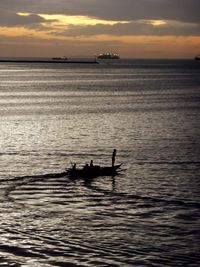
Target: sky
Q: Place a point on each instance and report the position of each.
(132, 28)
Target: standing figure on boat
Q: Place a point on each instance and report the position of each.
(91, 164)
(113, 157)
(74, 167)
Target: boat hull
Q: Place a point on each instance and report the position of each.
(94, 171)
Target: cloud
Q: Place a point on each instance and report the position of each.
(140, 27)
(179, 10)
(127, 46)
(182, 16)
(144, 17)
(10, 19)
(89, 25)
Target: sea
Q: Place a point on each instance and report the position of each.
(53, 115)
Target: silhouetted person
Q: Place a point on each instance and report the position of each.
(91, 164)
(113, 157)
(86, 167)
(74, 167)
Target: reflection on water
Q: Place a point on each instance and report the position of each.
(51, 116)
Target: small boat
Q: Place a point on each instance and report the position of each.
(109, 56)
(60, 58)
(197, 57)
(93, 171)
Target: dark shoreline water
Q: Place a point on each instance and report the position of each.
(55, 114)
(47, 61)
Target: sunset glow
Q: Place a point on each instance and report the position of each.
(129, 28)
(61, 20)
(57, 20)
(157, 22)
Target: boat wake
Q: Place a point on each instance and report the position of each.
(62, 179)
(76, 213)
(10, 185)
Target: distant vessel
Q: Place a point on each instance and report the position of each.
(109, 56)
(60, 58)
(197, 57)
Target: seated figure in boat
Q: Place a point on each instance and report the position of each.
(86, 167)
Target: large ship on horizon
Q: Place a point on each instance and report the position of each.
(108, 56)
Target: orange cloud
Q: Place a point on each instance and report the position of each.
(126, 45)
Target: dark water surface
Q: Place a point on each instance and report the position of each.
(52, 115)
